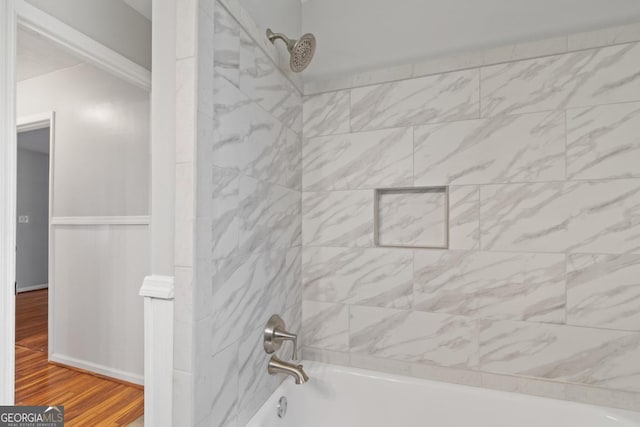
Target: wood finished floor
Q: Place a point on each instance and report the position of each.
(88, 400)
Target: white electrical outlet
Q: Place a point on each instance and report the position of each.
(23, 219)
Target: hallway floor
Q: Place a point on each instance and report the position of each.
(88, 400)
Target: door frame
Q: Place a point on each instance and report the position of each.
(26, 124)
(12, 14)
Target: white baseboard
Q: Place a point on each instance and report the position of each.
(98, 369)
(33, 288)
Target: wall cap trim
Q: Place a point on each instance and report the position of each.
(159, 287)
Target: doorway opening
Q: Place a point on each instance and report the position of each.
(81, 197)
(32, 235)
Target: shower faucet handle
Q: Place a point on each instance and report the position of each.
(275, 334)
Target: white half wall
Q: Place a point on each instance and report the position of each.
(99, 316)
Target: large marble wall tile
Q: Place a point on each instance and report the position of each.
(599, 217)
(603, 291)
(431, 99)
(464, 217)
(218, 224)
(596, 357)
(413, 336)
(363, 276)
(414, 219)
(251, 141)
(603, 142)
(269, 216)
(232, 107)
(216, 387)
(358, 160)
(578, 79)
(226, 51)
(339, 218)
(265, 84)
(494, 285)
(326, 114)
(325, 325)
(246, 290)
(273, 152)
(501, 149)
(254, 383)
(287, 285)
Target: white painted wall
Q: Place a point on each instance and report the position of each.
(101, 168)
(110, 22)
(358, 35)
(32, 238)
(282, 16)
(102, 140)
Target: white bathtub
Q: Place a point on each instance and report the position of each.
(347, 397)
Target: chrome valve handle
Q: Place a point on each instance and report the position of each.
(275, 334)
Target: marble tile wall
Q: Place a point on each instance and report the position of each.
(248, 217)
(539, 291)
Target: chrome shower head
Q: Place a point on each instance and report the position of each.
(300, 51)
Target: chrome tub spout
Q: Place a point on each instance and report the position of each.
(278, 366)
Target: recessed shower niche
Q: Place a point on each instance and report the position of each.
(415, 217)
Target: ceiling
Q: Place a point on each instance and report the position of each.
(143, 7)
(358, 35)
(37, 56)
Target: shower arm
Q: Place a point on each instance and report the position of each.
(274, 36)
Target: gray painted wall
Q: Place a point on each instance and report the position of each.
(33, 200)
